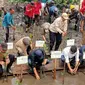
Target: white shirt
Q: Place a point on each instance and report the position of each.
(67, 54)
(58, 26)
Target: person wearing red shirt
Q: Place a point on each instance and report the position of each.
(29, 13)
(82, 10)
(37, 11)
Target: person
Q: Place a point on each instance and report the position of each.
(53, 11)
(45, 35)
(8, 22)
(45, 32)
(74, 15)
(36, 58)
(37, 12)
(29, 13)
(58, 29)
(82, 24)
(72, 58)
(4, 11)
(21, 45)
(6, 60)
(82, 29)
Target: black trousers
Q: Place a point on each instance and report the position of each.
(7, 34)
(55, 38)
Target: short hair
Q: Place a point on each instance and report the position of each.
(11, 9)
(26, 41)
(4, 46)
(73, 49)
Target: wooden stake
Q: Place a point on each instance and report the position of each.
(54, 73)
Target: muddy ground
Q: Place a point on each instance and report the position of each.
(78, 79)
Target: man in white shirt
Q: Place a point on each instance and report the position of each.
(58, 29)
(70, 55)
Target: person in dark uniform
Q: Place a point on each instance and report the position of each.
(36, 58)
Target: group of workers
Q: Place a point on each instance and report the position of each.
(52, 33)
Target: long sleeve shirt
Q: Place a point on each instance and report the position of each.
(8, 20)
(59, 26)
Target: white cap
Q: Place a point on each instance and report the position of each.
(65, 16)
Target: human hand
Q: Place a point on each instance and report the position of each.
(1, 62)
(81, 30)
(37, 77)
(14, 28)
(71, 71)
(75, 70)
(64, 34)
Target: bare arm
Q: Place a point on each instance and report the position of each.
(70, 69)
(82, 25)
(36, 73)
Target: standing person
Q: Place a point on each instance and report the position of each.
(53, 11)
(4, 11)
(58, 29)
(82, 29)
(22, 45)
(72, 57)
(82, 24)
(29, 14)
(74, 15)
(8, 22)
(37, 11)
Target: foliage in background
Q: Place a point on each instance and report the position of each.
(57, 1)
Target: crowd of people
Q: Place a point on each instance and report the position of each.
(52, 33)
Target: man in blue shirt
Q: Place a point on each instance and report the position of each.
(36, 59)
(53, 10)
(8, 22)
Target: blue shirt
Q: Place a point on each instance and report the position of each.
(53, 9)
(8, 20)
(36, 57)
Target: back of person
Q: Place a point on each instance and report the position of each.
(20, 45)
(52, 9)
(37, 56)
